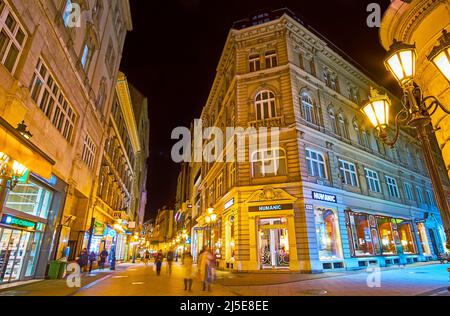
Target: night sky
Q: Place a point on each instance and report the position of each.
(172, 53)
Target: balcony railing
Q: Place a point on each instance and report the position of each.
(277, 121)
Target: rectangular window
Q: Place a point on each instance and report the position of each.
(88, 154)
(271, 59)
(392, 187)
(348, 173)
(254, 63)
(316, 164)
(12, 38)
(409, 192)
(419, 194)
(270, 162)
(50, 99)
(110, 58)
(373, 182)
(361, 235)
(86, 56)
(430, 198)
(219, 187)
(232, 174)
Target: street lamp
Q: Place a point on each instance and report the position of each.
(415, 113)
(210, 219)
(440, 55)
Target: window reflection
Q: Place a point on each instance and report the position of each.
(406, 236)
(328, 236)
(362, 241)
(386, 236)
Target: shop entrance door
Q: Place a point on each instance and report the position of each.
(433, 242)
(13, 253)
(273, 244)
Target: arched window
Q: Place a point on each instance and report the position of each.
(333, 120)
(328, 235)
(269, 162)
(308, 108)
(265, 105)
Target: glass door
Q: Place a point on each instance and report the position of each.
(5, 253)
(273, 243)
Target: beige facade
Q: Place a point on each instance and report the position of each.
(61, 82)
(421, 23)
(275, 72)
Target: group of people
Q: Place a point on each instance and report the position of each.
(86, 260)
(206, 267)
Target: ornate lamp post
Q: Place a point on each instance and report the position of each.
(10, 173)
(415, 113)
(210, 219)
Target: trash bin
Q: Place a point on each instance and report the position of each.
(62, 269)
(53, 271)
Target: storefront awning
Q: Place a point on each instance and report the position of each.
(24, 151)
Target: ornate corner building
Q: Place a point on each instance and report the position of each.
(338, 198)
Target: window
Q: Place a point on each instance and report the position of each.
(386, 236)
(301, 61)
(219, 187)
(392, 187)
(271, 162)
(373, 182)
(334, 83)
(328, 236)
(101, 98)
(419, 194)
(271, 59)
(86, 55)
(430, 198)
(12, 38)
(405, 233)
(232, 175)
(88, 154)
(97, 10)
(361, 234)
(316, 164)
(342, 131)
(409, 192)
(67, 12)
(30, 198)
(110, 58)
(354, 94)
(423, 239)
(308, 108)
(254, 63)
(50, 99)
(265, 105)
(348, 173)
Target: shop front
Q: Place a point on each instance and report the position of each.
(390, 239)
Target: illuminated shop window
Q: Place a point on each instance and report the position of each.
(386, 236)
(406, 236)
(328, 235)
(361, 234)
(424, 239)
(30, 198)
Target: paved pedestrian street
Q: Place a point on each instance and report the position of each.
(140, 280)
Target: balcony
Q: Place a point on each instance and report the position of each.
(277, 121)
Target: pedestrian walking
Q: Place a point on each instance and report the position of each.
(103, 256)
(187, 271)
(92, 259)
(146, 257)
(158, 262)
(170, 257)
(113, 260)
(83, 259)
(204, 270)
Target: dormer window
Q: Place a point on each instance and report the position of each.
(271, 59)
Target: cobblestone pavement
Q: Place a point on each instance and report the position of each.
(140, 280)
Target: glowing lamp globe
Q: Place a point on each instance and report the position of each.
(401, 61)
(440, 55)
(377, 109)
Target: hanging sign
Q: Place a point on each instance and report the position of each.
(99, 229)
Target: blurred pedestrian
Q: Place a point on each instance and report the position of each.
(170, 257)
(103, 256)
(158, 261)
(83, 259)
(187, 271)
(204, 268)
(146, 257)
(92, 259)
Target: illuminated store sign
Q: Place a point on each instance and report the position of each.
(274, 207)
(18, 222)
(324, 197)
(229, 204)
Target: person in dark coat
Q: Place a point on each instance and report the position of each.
(158, 262)
(103, 256)
(92, 259)
(83, 259)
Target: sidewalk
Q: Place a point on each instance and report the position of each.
(58, 287)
